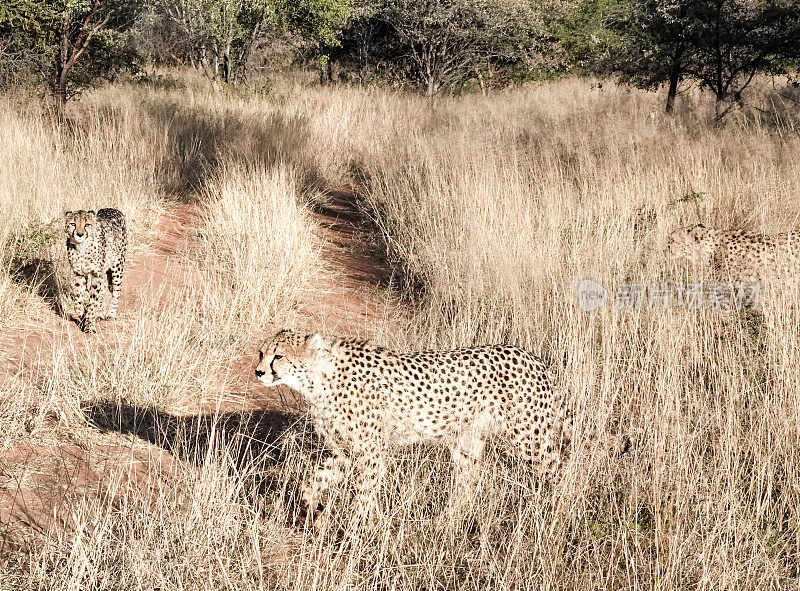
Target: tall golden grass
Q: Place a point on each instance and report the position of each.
(492, 209)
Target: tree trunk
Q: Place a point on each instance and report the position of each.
(431, 87)
(481, 81)
(60, 77)
(324, 65)
(226, 63)
(63, 76)
(62, 63)
(674, 76)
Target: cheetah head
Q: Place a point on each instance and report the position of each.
(695, 243)
(79, 225)
(291, 358)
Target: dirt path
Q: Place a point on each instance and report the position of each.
(359, 299)
(41, 482)
(355, 300)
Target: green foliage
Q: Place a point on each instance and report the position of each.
(720, 44)
(320, 21)
(30, 243)
(584, 34)
(692, 198)
(448, 44)
(28, 24)
(216, 35)
(70, 43)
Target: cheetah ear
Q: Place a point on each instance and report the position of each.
(698, 231)
(67, 213)
(316, 342)
(90, 212)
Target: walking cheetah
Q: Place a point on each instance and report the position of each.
(96, 244)
(737, 254)
(365, 398)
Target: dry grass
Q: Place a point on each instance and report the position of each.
(261, 244)
(492, 210)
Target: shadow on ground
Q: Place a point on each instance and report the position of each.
(198, 140)
(259, 444)
(189, 142)
(39, 276)
(360, 244)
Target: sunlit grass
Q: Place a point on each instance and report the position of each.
(491, 210)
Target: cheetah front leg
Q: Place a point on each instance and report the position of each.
(371, 469)
(90, 317)
(330, 474)
(80, 295)
(467, 453)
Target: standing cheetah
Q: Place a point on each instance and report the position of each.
(736, 254)
(96, 244)
(365, 398)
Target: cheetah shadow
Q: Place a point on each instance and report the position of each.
(39, 276)
(267, 449)
(272, 452)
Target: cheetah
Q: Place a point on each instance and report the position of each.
(364, 398)
(737, 254)
(96, 244)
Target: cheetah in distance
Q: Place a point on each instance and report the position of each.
(365, 398)
(737, 254)
(96, 244)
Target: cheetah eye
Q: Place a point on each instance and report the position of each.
(87, 225)
(276, 357)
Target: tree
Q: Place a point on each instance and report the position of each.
(22, 40)
(362, 45)
(655, 40)
(720, 44)
(318, 21)
(69, 34)
(215, 35)
(583, 35)
(444, 42)
(737, 39)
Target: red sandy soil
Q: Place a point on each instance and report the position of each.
(39, 484)
(359, 299)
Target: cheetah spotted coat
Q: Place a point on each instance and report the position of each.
(96, 245)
